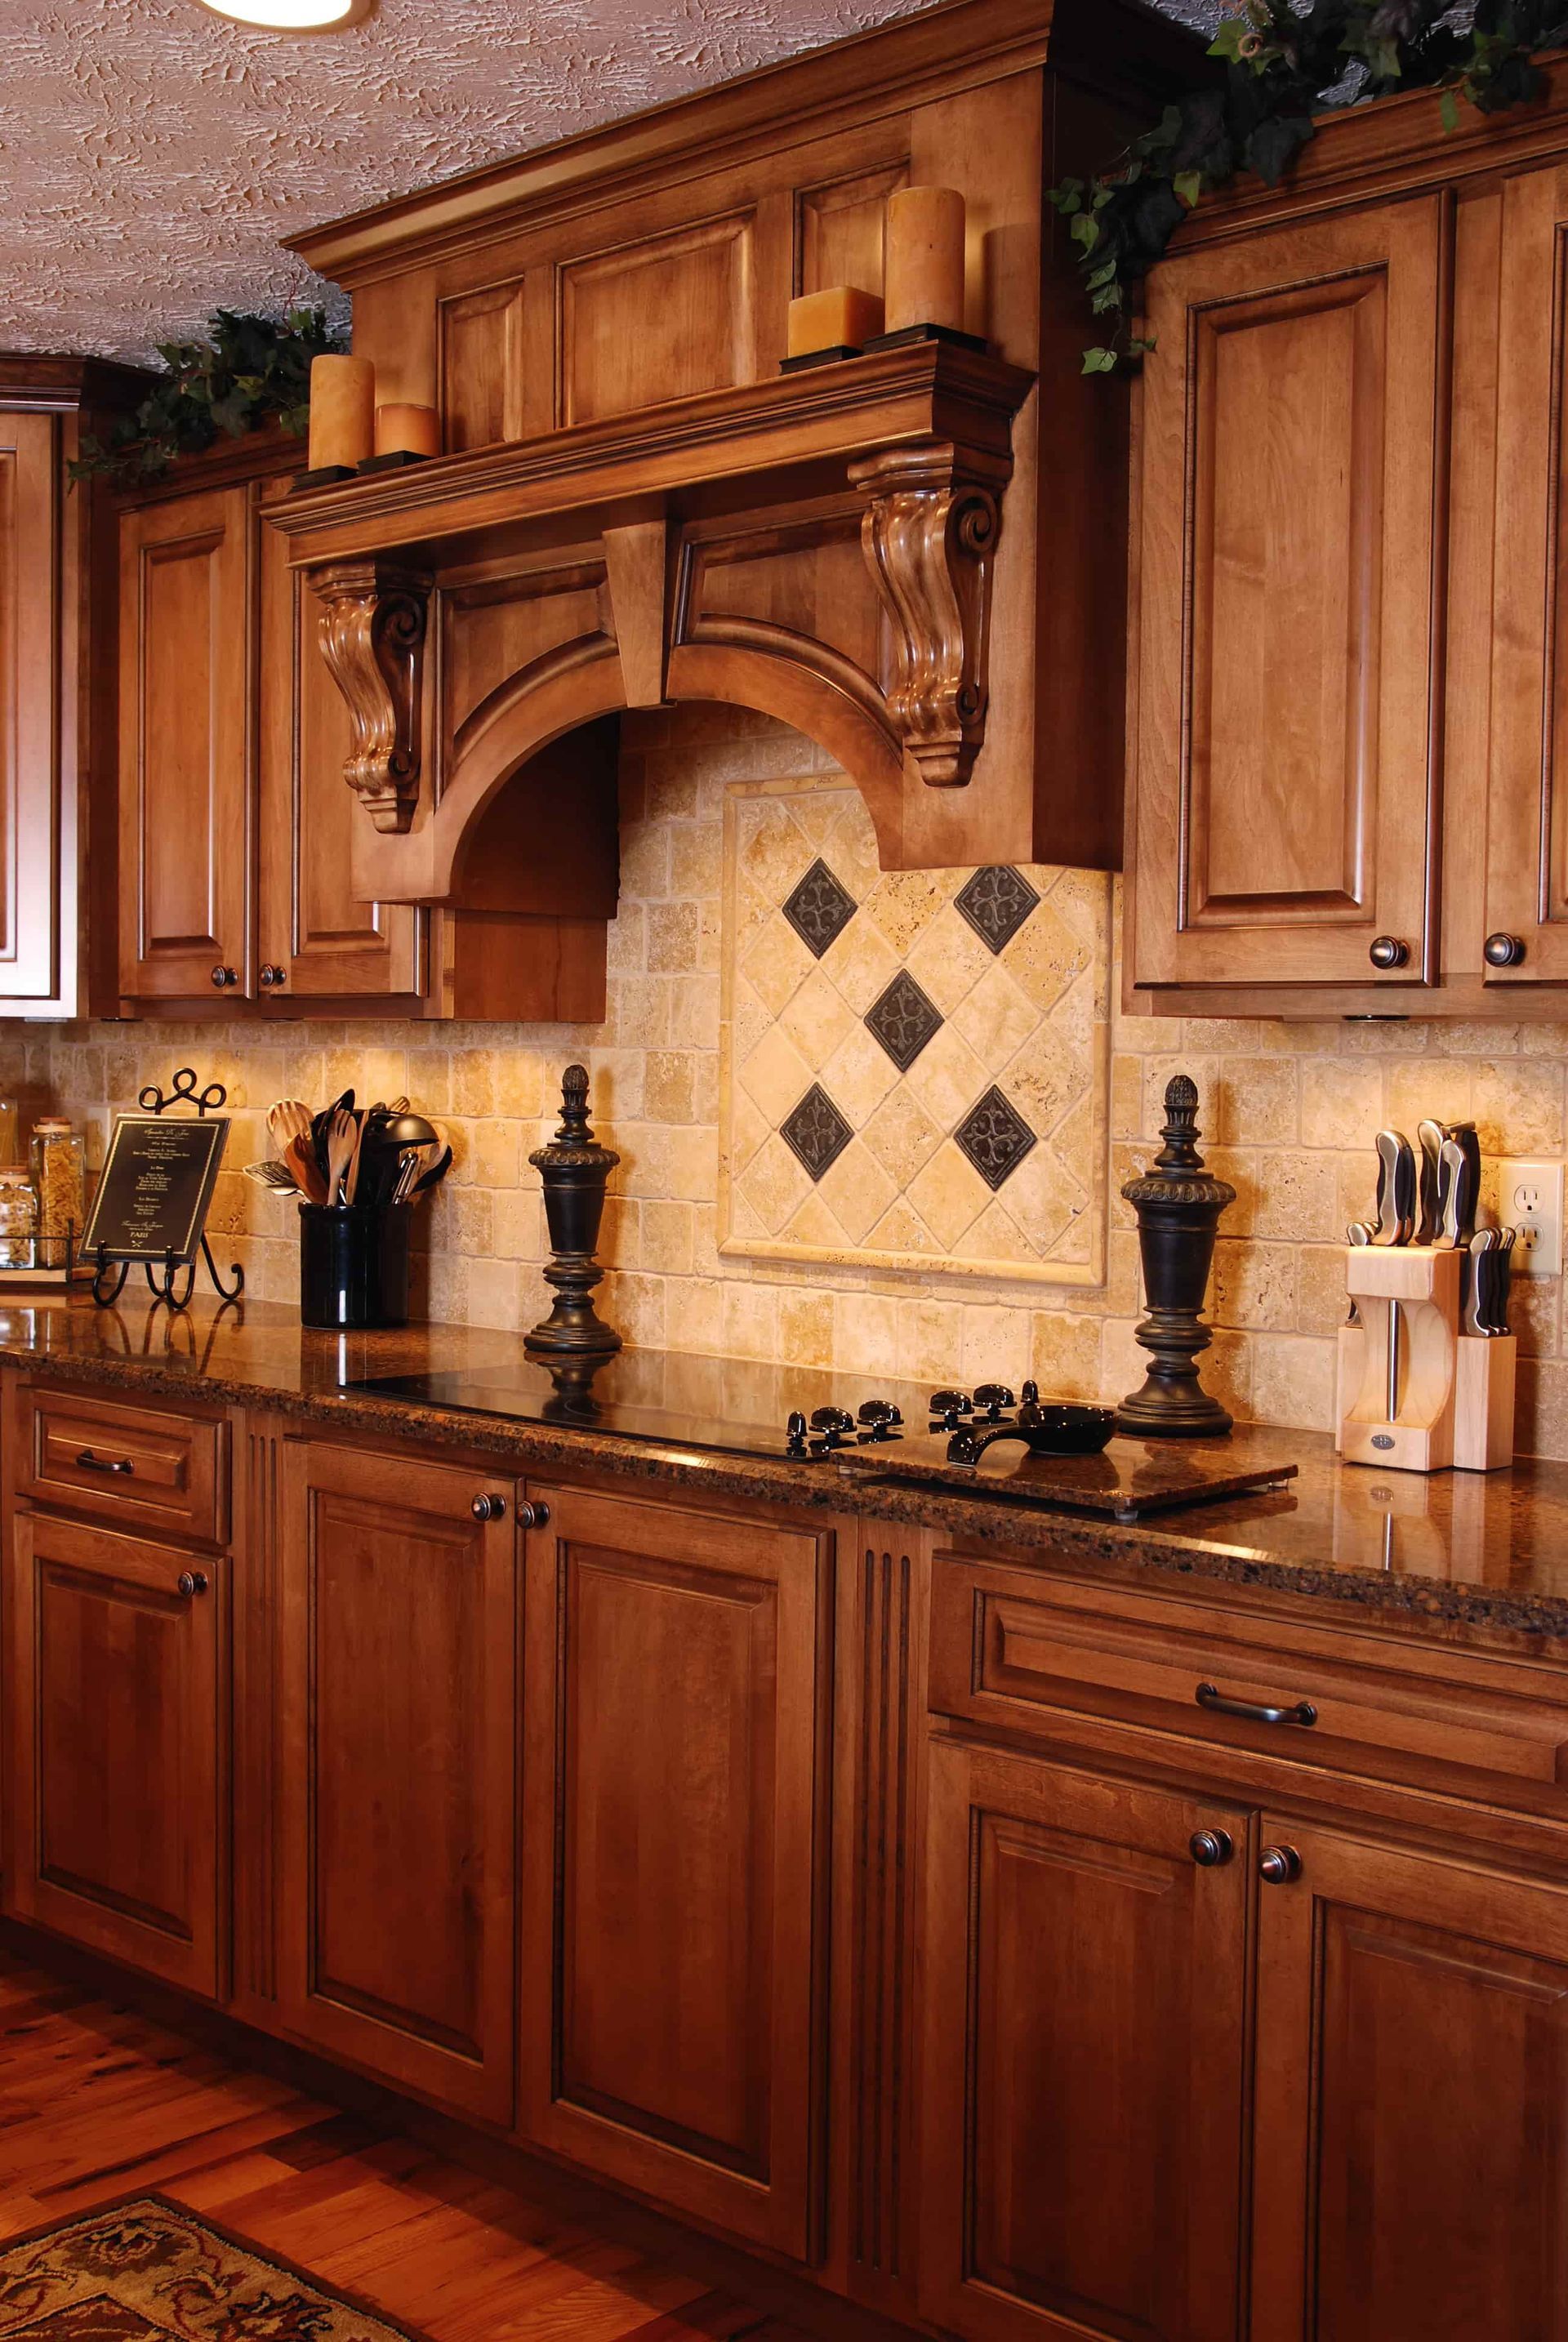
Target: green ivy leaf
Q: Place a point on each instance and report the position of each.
(1100, 361)
(1085, 231)
(1189, 186)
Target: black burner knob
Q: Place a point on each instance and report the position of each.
(949, 1406)
(992, 1398)
(833, 1424)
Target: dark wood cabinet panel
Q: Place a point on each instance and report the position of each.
(118, 1738)
(1411, 2163)
(31, 805)
(674, 1849)
(397, 1692)
(1293, 438)
(186, 751)
(1084, 1986)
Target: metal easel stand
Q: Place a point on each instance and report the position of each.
(163, 1284)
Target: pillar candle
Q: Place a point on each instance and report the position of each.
(924, 268)
(407, 430)
(841, 317)
(342, 411)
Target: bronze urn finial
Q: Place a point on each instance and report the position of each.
(574, 1171)
(1178, 1203)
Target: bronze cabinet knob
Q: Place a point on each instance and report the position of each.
(488, 1508)
(272, 976)
(1210, 1847)
(191, 1582)
(534, 1515)
(1503, 951)
(1279, 1865)
(1389, 951)
(224, 976)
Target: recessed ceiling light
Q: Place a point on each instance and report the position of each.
(293, 15)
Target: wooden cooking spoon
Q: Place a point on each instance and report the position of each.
(287, 1120)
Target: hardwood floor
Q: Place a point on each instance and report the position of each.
(98, 2101)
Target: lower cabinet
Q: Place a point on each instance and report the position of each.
(397, 1821)
(675, 1842)
(1084, 1985)
(1411, 2136)
(119, 1725)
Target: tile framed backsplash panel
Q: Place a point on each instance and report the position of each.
(915, 1066)
(1289, 1112)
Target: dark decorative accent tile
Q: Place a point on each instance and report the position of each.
(903, 1020)
(820, 909)
(995, 1137)
(996, 901)
(815, 1131)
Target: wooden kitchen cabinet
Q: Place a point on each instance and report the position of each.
(1085, 1982)
(1290, 479)
(397, 1799)
(1347, 703)
(1411, 2129)
(119, 1726)
(58, 860)
(674, 1846)
(185, 747)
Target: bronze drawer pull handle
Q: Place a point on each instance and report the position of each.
(90, 1463)
(1211, 1847)
(1279, 1865)
(190, 1583)
(1253, 1711)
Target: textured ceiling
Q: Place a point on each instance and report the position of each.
(152, 154)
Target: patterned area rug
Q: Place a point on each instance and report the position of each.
(146, 2270)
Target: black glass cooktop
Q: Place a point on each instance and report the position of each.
(667, 1398)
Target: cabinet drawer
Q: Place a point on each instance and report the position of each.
(133, 1464)
(1007, 1649)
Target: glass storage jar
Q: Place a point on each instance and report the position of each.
(59, 1164)
(10, 1131)
(18, 1217)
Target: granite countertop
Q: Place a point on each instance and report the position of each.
(1459, 1552)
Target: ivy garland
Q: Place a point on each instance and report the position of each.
(253, 370)
(1283, 63)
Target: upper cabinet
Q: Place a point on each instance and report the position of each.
(236, 822)
(1346, 705)
(57, 691)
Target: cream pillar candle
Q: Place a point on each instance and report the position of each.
(924, 280)
(342, 411)
(403, 430)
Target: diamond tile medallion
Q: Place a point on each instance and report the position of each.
(819, 909)
(995, 1136)
(996, 902)
(914, 1065)
(902, 1020)
(815, 1132)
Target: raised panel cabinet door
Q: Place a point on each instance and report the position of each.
(1511, 502)
(120, 1829)
(30, 714)
(1411, 2157)
(675, 1853)
(398, 1700)
(1294, 430)
(1085, 1982)
(186, 721)
(317, 941)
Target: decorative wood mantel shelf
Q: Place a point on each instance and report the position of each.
(819, 546)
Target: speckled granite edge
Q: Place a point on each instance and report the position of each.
(1151, 1549)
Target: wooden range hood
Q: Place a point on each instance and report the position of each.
(637, 508)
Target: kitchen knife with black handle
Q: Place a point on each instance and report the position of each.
(1429, 1139)
(1396, 1186)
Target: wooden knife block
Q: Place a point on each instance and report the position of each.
(1453, 1403)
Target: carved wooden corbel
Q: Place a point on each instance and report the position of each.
(929, 532)
(373, 639)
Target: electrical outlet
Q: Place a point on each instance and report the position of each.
(1530, 1198)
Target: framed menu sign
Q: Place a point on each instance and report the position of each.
(158, 1179)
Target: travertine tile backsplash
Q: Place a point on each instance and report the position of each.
(1289, 1112)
